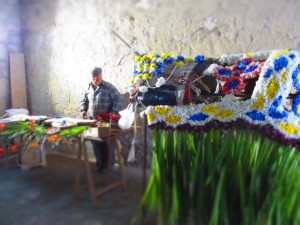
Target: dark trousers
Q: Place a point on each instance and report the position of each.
(101, 154)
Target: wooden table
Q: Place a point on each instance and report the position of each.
(82, 158)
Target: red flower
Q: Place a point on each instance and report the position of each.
(241, 65)
(2, 126)
(252, 70)
(223, 73)
(1, 152)
(13, 148)
(234, 85)
(54, 138)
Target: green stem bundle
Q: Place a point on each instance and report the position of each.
(222, 178)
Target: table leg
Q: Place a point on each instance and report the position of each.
(90, 178)
(121, 162)
(78, 170)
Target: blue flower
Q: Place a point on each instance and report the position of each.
(296, 106)
(200, 58)
(296, 76)
(161, 65)
(280, 63)
(180, 58)
(158, 72)
(198, 117)
(274, 113)
(268, 73)
(292, 56)
(250, 69)
(233, 84)
(168, 60)
(256, 115)
(225, 72)
(135, 73)
(242, 65)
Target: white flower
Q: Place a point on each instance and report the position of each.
(139, 65)
(142, 114)
(152, 70)
(211, 69)
(136, 80)
(143, 89)
(174, 57)
(154, 60)
(160, 81)
(160, 60)
(132, 90)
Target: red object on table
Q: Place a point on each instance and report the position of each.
(108, 116)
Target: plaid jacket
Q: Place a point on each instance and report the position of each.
(104, 99)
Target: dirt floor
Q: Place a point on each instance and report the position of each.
(46, 196)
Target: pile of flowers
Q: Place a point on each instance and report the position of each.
(266, 111)
(236, 78)
(149, 66)
(35, 133)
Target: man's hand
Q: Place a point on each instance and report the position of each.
(84, 114)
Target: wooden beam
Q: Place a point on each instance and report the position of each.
(18, 81)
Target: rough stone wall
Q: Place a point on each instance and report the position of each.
(10, 41)
(65, 39)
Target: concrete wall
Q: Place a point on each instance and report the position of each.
(10, 41)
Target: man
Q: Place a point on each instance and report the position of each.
(100, 97)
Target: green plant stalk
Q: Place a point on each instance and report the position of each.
(223, 177)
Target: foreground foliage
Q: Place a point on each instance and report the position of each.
(222, 178)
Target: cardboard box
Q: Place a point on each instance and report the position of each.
(100, 131)
(32, 157)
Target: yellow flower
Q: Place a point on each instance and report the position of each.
(162, 111)
(139, 76)
(145, 58)
(187, 59)
(152, 56)
(298, 109)
(173, 119)
(281, 53)
(289, 128)
(259, 104)
(170, 54)
(138, 58)
(164, 56)
(146, 76)
(210, 109)
(140, 69)
(131, 80)
(151, 117)
(34, 144)
(272, 88)
(147, 65)
(153, 65)
(250, 54)
(225, 114)
(179, 64)
(283, 77)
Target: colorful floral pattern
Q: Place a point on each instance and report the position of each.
(265, 110)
